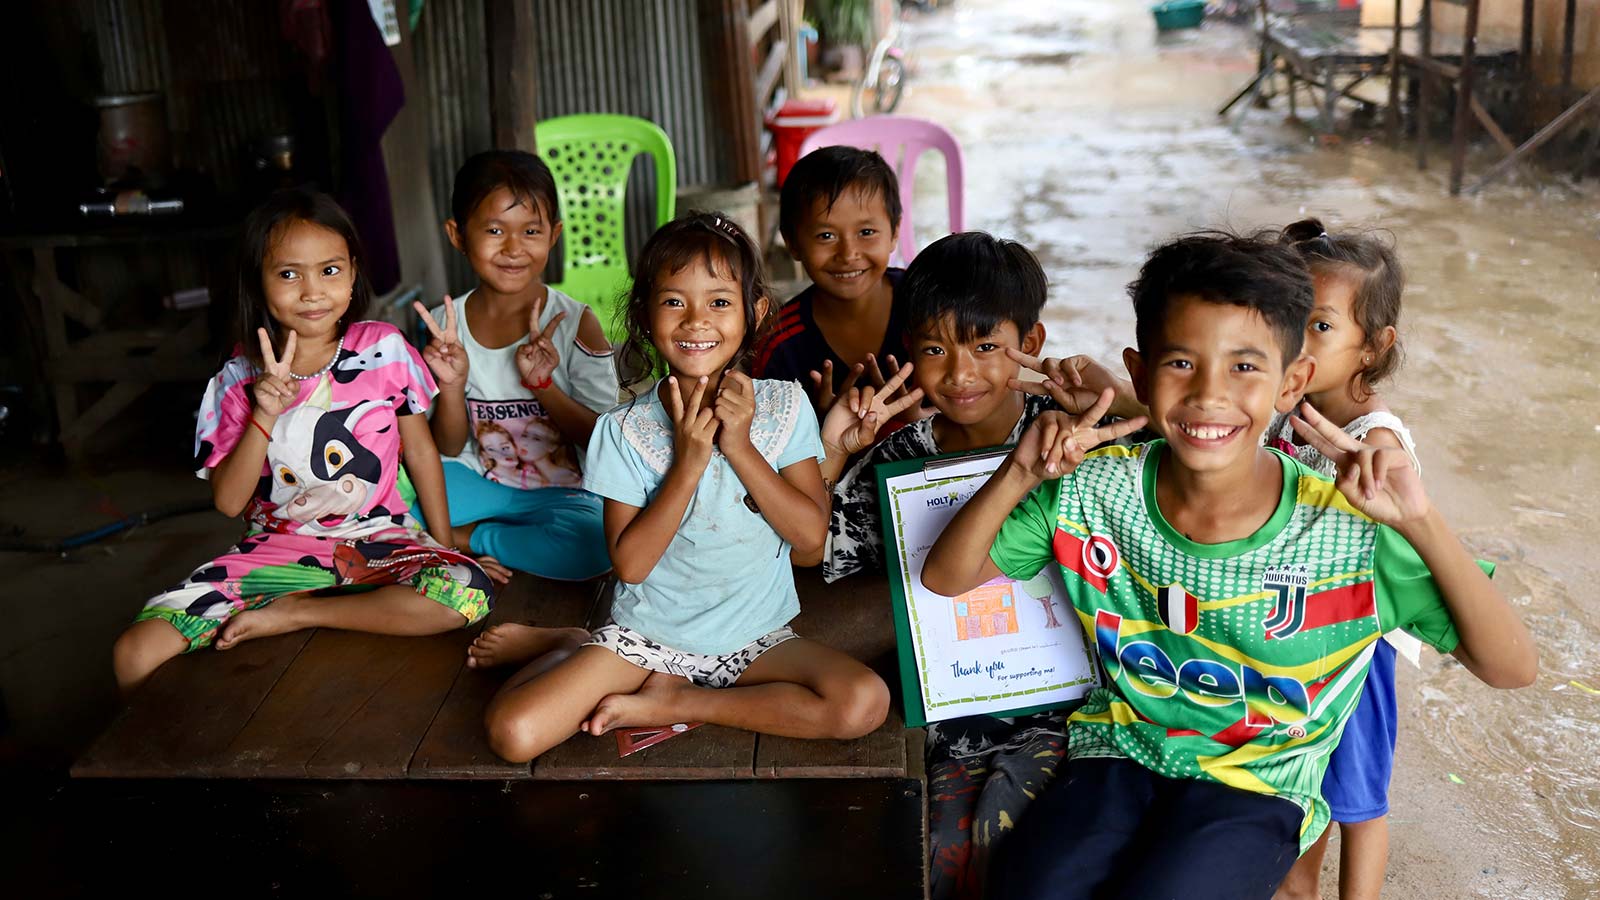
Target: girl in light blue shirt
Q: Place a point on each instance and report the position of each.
(710, 480)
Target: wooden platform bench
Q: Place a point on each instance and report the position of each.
(1330, 53)
(343, 706)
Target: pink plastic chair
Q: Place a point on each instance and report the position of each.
(900, 140)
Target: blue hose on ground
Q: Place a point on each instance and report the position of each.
(18, 544)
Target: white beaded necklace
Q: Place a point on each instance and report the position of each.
(325, 369)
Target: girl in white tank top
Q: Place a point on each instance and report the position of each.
(1352, 334)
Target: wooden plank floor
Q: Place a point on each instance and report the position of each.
(852, 615)
(455, 744)
(335, 704)
(187, 715)
(352, 705)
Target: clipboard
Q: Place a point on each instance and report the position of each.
(957, 476)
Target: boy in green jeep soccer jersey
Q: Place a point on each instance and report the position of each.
(1233, 595)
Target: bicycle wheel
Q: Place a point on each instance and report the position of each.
(891, 84)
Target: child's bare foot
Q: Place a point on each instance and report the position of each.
(276, 617)
(654, 703)
(512, 644)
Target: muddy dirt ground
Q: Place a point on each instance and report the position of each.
(1089, 137)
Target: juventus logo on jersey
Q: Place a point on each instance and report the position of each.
(1289, 612)
(1180, 610)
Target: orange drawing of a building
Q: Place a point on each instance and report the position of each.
(986, 611)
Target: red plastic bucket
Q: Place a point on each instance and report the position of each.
(795, 121)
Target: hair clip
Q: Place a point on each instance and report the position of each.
(725, 226)
(1321, 236)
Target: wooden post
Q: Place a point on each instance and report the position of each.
(1590, 155)
(1264, 64)
(1556, 126)
(1330, 99)
(788, 32)
(47, 287)
(1392, 117)
(1262, 54)
(730, 80)
(1566, 49)
(1525, 61)
(1463, 119)
(511, 73)
(1425, 79)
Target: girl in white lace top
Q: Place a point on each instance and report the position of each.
(710, 480)
(1352, 334)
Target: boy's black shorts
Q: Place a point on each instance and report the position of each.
(1110, 828)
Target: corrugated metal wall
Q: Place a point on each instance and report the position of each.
(634, 57)
(452, 58)
(132, 45)
(225, 71)
(637, 57)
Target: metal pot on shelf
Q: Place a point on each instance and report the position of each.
(133, 141)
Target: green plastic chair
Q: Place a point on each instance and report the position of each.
(591, 156)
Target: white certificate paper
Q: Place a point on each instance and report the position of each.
(1000, 648)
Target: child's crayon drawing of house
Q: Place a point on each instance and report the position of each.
(985, 611)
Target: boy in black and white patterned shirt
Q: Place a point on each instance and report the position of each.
(973, 304)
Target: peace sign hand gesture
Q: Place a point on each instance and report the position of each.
(852, 423)
(822, 382)
(275, 387)
(734, 408)
(694, 429)
(444, 354)
(538, 358)
(894, 391)
(1378, 481)
(1056, 442)
(1075, 383)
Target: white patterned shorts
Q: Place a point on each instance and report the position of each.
(706, 671)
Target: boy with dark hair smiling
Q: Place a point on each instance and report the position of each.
(969, 298)
(839, 213)
(1233, 596)
(973, 303)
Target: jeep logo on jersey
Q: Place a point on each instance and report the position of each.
(1141, 668)
(1180, 610)
(1289, 613)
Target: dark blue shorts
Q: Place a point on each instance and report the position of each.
(1110, 828)
(1356, 786)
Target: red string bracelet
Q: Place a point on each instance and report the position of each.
(548, 380)
(264, 432)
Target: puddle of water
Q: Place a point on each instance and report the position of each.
(1090, 139)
